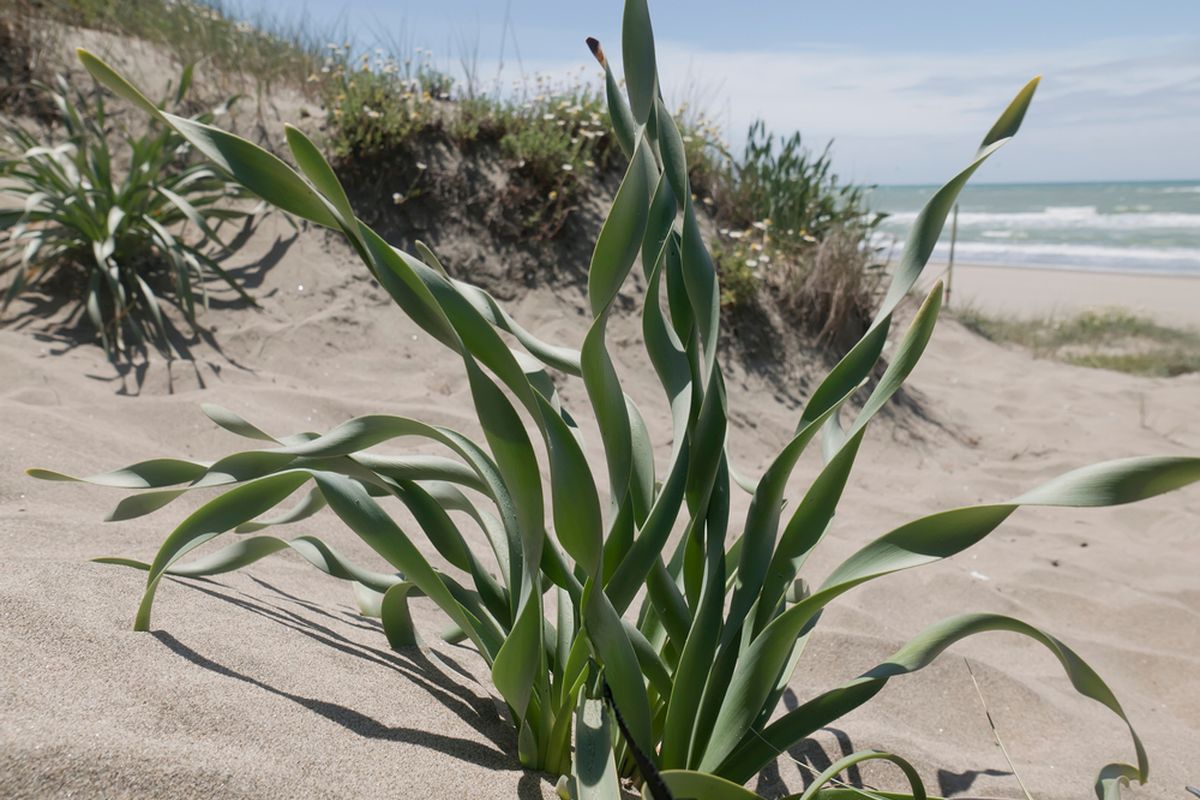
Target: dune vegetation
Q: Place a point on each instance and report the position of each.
(674, 690)
(792, 243)
(111, 238)
(1106, 339)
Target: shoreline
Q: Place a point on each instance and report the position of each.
(937, 262)
(1025, 291)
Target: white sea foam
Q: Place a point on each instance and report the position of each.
(1170, 260)
(1149, 227)
(1066, 217)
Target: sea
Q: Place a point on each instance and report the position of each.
(1134, 227)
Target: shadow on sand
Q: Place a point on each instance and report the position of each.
(427, 670)
(812, 758)
(59, 321)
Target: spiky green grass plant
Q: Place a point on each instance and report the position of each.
(796, 189)
(695, 668)
(115, 238)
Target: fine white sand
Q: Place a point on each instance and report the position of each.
(1028, 291)
(266, 683)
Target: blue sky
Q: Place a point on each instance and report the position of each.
(905, 89)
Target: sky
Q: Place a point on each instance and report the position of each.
(905, 90)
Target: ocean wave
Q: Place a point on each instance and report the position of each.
(1068, 217)
(1166, 260)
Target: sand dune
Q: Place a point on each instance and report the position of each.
(267, 683)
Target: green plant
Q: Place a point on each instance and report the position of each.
(739, 264)
(697, 668)
(1108, 339)
(797, 191)
(789, 225)
(554, 139)
(115, 239)
(378, 106)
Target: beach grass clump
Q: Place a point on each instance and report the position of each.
(795, 188)
(832, 288)
(270, 51)
(790, 227)
(1110, 338)
(632, 626)
(115, 237)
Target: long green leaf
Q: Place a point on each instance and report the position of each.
(218, 515)
(637, 49)
(918, 653)
(258, 170)
(924, 541)
(595, 771)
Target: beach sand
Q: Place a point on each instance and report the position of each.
(1029, 291)
(266, 683)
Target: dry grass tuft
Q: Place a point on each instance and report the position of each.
(832, 289)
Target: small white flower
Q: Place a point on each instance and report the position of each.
(752, 262)
(422, 166)
(567, 168)
(736, 234)
(397, 198)
(762, 226)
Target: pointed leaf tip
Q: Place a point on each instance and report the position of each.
(1010, 120)
(110, 78)
(594, 45)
